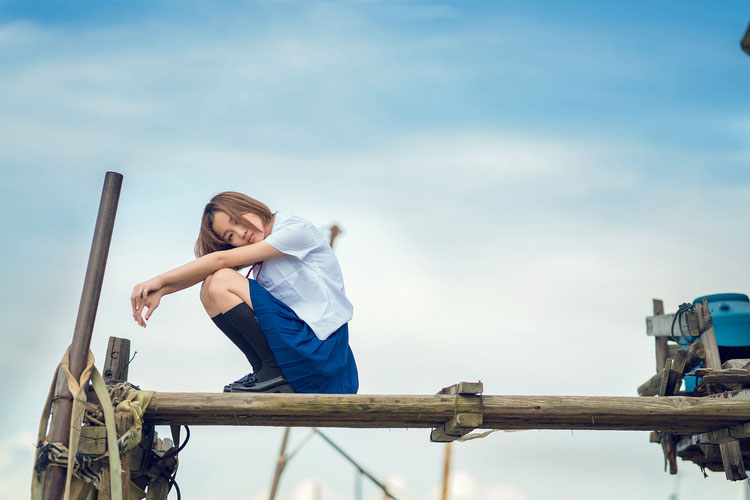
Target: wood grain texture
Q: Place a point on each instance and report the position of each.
(731, 454)
(660, 325)
(679, 414)
(117, 360)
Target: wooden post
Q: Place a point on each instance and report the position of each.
(731, 454)
(123, 421)
(446, 471)
(92, 286)
(116, 369)
(280, 464)
(117, 360)
(661, 342)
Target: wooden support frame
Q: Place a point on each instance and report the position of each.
(467, 393)
(660, 325)
(731, 454)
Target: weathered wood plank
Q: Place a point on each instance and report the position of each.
(117, 359)
(660, 343)
(723, 376)
(660, 325)
(685, 360)
(456, 427)
(158, 489)
(664, 383)
(731, 458)
(708, 338)
(742, 364)
(740, 431)
(731, 454)
(465, 388)
(123, 421)
(679, 414)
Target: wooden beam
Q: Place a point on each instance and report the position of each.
(468, 395)
(723, 376)
(731, 454)
(660, 325)
(679, 414)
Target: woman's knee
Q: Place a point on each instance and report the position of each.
(218, 283)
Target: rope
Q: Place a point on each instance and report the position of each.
(477, 435)
(56, 454)
(682, 310)
(126, 396)
(76, 388)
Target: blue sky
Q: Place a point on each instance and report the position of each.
(513, 179)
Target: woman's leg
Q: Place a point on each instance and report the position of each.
(223, 290)
(215, 297)
(226, 298)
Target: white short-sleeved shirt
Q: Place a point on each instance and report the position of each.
(307, 278)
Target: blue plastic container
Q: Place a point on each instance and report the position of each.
(730, 313)
(731, 316)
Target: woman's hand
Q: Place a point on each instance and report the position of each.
(146, 295)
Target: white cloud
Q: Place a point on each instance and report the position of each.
(16, 465)
(465, 486)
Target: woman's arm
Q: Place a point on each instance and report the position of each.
(149, 293)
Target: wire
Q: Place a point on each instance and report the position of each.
(683, 310)
(173, 452)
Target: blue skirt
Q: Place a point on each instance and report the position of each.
(309, 364)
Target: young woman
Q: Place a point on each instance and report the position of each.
(290, 319)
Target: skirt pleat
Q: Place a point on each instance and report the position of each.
(309, 364)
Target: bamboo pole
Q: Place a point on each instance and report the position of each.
(280, 464)
(678, 414)
(84, 327)
(446, 471)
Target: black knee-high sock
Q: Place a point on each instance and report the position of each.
(237, 339)
(242, 318)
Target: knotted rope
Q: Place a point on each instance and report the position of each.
(80, 465)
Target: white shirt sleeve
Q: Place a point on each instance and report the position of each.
(294, 239)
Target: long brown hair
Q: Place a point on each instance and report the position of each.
(234, 205)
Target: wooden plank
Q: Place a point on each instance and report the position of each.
(679, 414)
(741, 364)
(664, 383)
(661, 325)
(672, 350)
(158, 489)
(685, 360)
(93, 440)
(466, 388)
(456, 427)
(117, 360)
(731, 454)
(123, 421)
(741, 431)
(723, 376)
(660, 343)
(670, 453)
(731, 458)
(738, 395)
(708, 338)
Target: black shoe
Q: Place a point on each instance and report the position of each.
(250, 378)
(276, 384)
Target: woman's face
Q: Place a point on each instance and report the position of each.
(235, 233)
